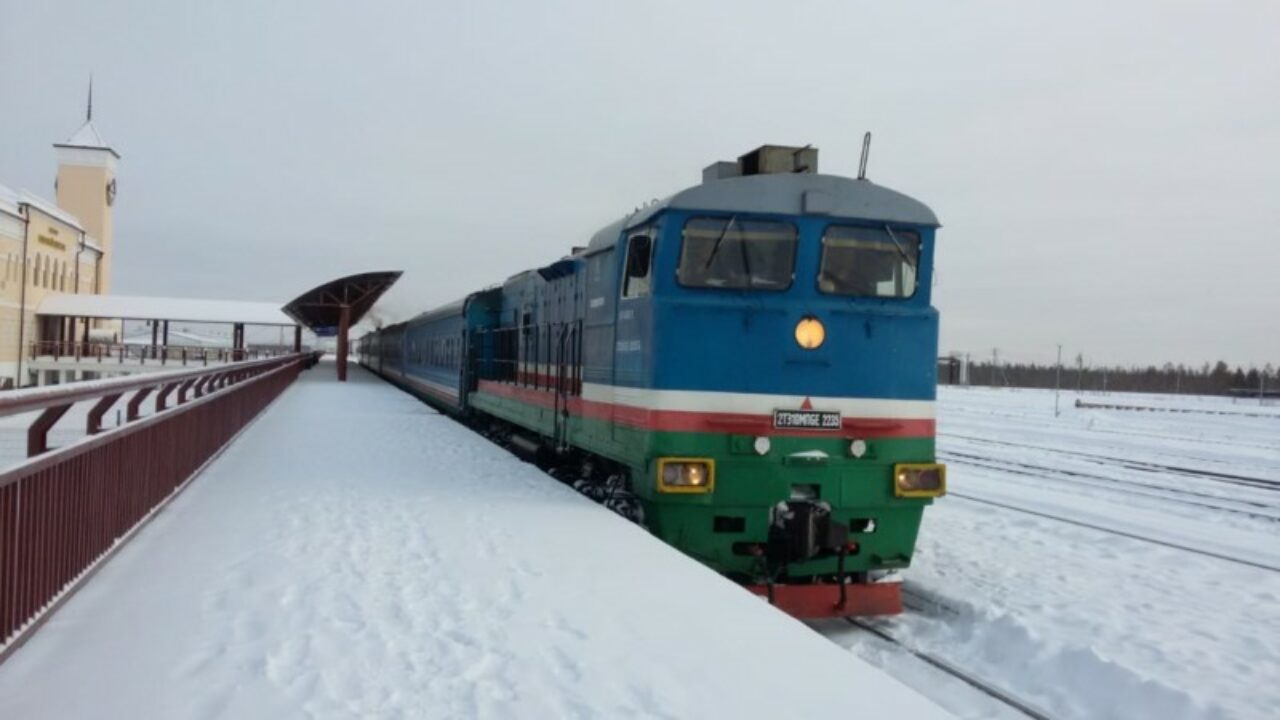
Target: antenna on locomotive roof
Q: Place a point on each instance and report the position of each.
(866, 150)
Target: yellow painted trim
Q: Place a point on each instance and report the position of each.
(686, 489)
(942, 478)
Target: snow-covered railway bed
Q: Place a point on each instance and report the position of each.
(1003, 700)
(1078, 622)
(1246, 446)
(1166, 520)
(1191, 498)
(1265, 562)
(1206, 475)
(1094, 564)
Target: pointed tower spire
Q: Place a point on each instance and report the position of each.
(89, 112)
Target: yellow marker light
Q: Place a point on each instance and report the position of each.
(686, 475)
(919, 480)
(809, 333)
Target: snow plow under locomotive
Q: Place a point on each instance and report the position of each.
(747, 367)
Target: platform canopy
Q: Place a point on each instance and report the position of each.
(125, 307)
(332, 308)
(320, 308)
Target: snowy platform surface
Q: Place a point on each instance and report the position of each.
(355, 554)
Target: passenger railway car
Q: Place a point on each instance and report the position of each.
(747, 367)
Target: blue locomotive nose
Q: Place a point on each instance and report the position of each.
(865, 352)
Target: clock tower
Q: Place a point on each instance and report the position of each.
(86, 186)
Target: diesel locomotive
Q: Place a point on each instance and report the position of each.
(747, 367)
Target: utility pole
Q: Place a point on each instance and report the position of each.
(994, 361)
(1080, 372)
(1057, 382)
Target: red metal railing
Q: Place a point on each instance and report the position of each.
(163, 354)
(64, 511)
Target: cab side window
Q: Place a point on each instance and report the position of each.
(638, 271)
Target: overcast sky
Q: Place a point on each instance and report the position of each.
(1107, 174)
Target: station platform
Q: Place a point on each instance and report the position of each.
(356, 554)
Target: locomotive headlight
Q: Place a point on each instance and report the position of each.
(810, 333)
(762, 445)
(919, 480)
(686, 475)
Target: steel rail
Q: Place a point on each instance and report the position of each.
(1229, 478)
(1167, 494)
(1026, 708)
(1113, 531)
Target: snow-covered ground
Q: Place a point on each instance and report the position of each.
(1019, 580)
(354, 554)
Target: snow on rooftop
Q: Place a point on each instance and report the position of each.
(161, 308)
(8, 200)
(88, 137)
(142, 336)
(49, 208)
(356, 554)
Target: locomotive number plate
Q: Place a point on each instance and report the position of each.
(805, 420)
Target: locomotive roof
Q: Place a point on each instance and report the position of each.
(790, 194)
(454, 308)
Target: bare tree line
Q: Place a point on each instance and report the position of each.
(1208, 379)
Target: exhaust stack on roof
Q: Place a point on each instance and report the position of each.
(766, 160)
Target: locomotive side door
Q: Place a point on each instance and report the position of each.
(600, 303)
(630, 364)
(558, 360)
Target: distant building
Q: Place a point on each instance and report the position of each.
(180, 336)
(48, 247)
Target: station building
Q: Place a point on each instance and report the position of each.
(55, 247)
(60, 323)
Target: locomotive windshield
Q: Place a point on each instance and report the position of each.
(735, 253)
(869, 262)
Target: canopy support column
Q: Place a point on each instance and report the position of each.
(344, 320)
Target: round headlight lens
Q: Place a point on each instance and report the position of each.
(762, 445)
(809, 333)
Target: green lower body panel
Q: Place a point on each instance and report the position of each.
(719, 527)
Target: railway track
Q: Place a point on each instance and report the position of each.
(1006, 698)
(1025, 421)
(926, 603)
(1246, 507)
(1199, 473)
(1114, 531)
